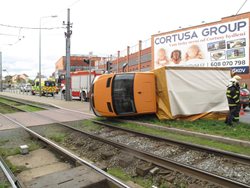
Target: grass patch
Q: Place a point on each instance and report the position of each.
(18, 105)
(144, 182)
(3, 141)
(34, 145)
(119, 173)
(29, 108)
(86, 125)
(5, 152)
(57, 137)
(15, 169)
(2, 100)
(4, 184)
(215, 127)
(184, 138)
(5, 109)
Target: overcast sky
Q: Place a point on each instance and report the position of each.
(101, 27)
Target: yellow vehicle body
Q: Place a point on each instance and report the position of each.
(47, 87)
(124, 94)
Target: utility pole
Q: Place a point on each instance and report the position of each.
(139, 56)
(67, 35)
(89, 88)
(1, 77)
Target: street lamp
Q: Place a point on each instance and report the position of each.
(40, 45)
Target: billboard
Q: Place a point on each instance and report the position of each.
(218, 45)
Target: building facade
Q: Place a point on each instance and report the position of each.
(77, 63)
(223, 43)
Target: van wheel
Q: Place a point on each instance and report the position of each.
(64, 94)
(83, 96)
(244, 106)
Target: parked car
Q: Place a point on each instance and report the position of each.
(244, 97)
(21, 87)
(27, 88)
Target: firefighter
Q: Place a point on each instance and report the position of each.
(233, 97)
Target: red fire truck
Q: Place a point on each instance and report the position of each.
(80, 84)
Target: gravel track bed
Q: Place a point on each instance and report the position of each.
(208, 162)
(111, 157)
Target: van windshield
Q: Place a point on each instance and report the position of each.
(123, 94)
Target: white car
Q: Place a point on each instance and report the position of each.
(27, 87)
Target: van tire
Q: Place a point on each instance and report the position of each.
(63, 94)
(83, 96)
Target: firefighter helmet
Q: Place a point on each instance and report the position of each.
(237, 77)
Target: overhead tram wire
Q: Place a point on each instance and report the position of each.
(24, 27)
(10, 35)
(32, 28)
(241, 7)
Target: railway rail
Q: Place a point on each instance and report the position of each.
(14, 182)
(166, 162)
(38, 105)
(69, 155)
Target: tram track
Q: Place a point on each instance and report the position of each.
(29, 103)
(14, 182)
(168, 162)
(163, 161)
(68, 154)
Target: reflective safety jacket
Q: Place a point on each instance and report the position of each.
(233, 95)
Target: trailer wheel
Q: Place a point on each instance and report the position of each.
(83, 96)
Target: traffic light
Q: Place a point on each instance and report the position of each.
(109, 66)
(86, 61)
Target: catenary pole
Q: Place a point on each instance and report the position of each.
(1, 77)
(89, 88)
(68, 34)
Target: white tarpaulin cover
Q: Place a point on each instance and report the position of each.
(189, 91)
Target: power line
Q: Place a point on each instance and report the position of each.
(74, 3)
(10, 35)
(241, 7)
(22, 27)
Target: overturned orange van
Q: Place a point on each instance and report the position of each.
(124, 94)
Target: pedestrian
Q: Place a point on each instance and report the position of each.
(233, 98)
